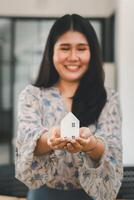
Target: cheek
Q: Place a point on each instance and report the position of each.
(86, 58)
(58, 58)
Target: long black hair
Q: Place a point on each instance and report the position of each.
(90, 96)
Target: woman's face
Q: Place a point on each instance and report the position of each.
(71, 56)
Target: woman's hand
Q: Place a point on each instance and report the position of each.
(55, 141)
(82, 143)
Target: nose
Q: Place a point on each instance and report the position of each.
(73, 55)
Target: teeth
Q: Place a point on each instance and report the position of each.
(72, 67)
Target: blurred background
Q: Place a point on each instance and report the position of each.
(24, 26)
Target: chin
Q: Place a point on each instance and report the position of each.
(73, 79)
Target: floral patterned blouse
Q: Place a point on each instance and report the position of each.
(40, 109)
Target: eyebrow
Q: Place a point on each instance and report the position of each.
(79, 44)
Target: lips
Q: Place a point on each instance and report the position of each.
(72, 68)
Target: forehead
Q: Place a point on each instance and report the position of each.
(72, 37)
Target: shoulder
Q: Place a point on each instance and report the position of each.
(112, 106)
(29, 94)
(113, 101)
(30, 90)
(112, 95)
(33, 92)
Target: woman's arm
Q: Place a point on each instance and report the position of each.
(103, 180)
(31, 169)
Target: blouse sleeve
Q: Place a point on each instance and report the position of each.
(103, 180)
(32, 170)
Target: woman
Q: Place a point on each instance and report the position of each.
(71, 78)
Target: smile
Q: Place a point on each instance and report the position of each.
(72, 67)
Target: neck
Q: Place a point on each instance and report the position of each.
(67, 89)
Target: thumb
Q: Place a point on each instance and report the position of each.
(57, 132)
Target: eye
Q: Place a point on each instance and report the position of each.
(81, 49)
(64, 48)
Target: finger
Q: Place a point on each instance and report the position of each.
(82, 129)
(70, 146)
(57, 141)
(56, 132)
(71, 149)
(60, 146)
(76, 145)
(85, 132)
(82, 141)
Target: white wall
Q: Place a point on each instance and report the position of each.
(55, 8)
(110, 78)
(125, 62)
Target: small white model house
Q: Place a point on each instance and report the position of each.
(70, 126)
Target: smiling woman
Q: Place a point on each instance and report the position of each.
(71, 78)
